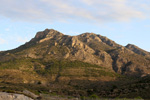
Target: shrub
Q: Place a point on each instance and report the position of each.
(94, 96)
(138, 97)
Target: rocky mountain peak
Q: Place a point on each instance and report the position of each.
(87, 34)
(131, 46)
(42, 34)
(87, 47)
(87, 37)
(137, 50)
(46, 34)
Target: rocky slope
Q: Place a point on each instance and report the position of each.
(138, 50)
(87, 47)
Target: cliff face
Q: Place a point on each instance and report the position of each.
(87, 47)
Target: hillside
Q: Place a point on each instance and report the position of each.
(87, 47)
(73, 65)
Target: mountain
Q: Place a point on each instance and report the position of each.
(87, 47)
(74, 64)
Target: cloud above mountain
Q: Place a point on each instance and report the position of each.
(76, 10)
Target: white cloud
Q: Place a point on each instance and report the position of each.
(80, 10)
(2, 41)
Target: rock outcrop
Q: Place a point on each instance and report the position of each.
(138, 50)
(12, 96)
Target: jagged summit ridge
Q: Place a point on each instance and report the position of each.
(84, 37)
(46, 34)
(137, 50)
(87, 47)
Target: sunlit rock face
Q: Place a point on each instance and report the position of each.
(12, 96)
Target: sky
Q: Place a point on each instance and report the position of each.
(123, 21)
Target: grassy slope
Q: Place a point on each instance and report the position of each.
(18, 74)
(66, 77)
(54, 67)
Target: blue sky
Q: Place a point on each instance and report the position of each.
(124, 21)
